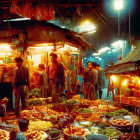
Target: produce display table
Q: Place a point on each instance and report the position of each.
(79, 118)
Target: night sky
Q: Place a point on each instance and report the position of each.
(107, 23)
(135, 19)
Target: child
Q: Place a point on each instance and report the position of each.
(23, 126)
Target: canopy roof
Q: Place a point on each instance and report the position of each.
(128, 64)
(35, 32)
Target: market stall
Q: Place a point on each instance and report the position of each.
(124, 78)
(34, 41)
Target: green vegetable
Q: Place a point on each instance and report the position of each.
(35, 93)
(117, 113)
(102, 125)
(72, 102)
(84, 110)
(53, 133)
(109, 132)
(34, 102)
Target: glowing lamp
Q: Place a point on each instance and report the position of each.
(125, 82)
(114, 78)
(118, 4)
(139, 81)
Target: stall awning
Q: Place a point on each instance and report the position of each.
(128, 64)
(34, 32)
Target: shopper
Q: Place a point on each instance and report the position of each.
(100, 82)
(43, 81)
(94, 65)
(23, 127)
(21, 84)
(88, 82)
(56, 78)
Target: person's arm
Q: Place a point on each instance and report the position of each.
(95, 77)
(62, 76)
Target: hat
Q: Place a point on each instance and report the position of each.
(18, 59)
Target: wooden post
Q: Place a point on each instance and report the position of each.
(79, 61)
(108, 86)
(112, 90)
(120, 89)
(47, 60)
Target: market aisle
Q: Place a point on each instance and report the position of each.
(104, 94)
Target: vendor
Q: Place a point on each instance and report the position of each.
(43, 81)
(21, 84)
(56, 78)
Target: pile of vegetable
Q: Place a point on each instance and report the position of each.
(109, 132)
(84, 110)
(72, 102)
(102, 125)
(35, 93)
(34, 102)
(53, 133)
(85, 103)
(117, 113)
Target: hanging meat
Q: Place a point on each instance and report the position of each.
(39, 12)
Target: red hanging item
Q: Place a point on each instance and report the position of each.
(51, 12)
(19, 11)
(44, 12)
(32, 13)
(13, 8)
(27, 10)
(40, 12)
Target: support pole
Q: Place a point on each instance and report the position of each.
(108, 86)
(118, 32)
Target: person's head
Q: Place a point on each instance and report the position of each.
(13, 133)
(94, 65)
(41, 67)
(89, 65)
(18, 61)
(23, 124)
(53, 57)
(98, 67)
